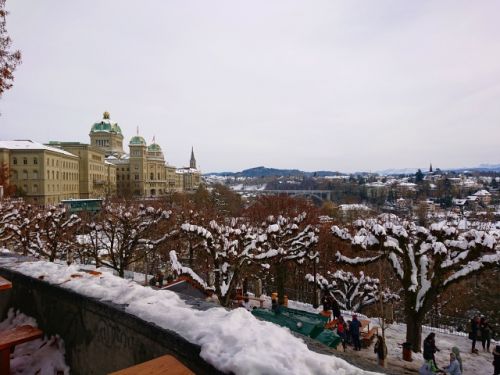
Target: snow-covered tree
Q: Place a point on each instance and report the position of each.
(8, 212)
(19, 227)
(230, 248)
(89, 246)
(426, 261)
(126, 233)
(54, 238)
(352, 293)
(289, 239)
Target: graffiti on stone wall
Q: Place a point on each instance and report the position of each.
(111, 334)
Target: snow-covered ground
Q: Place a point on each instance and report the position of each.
(232, 341)
(473, 364)
(42, 356)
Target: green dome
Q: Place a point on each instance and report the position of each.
(154, 147)
(106, 126)
(137, 140)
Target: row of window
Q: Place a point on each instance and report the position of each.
(25, 161)
(50, 188)
(64, 175)
(94, 167)
(102, 142)
(54, 162)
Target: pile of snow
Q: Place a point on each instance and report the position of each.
(355, 206)
(41, 356)
(232, 341)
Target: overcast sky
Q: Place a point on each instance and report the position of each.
(315, 85)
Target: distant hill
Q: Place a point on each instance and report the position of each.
(274, 172)
(259, 172)
(410, 171)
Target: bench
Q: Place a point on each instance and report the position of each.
(240, 298)
(367, 337)
(164, 365)
(13, 337)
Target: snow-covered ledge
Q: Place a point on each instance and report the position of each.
(230, 341)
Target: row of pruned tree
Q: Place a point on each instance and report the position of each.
(219, 252)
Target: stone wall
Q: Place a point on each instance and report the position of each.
(99, 337)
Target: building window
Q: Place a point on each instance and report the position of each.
(35, 188)
(136, 176)
(25, 161)
(14, 161)
(152, 176)
(35, 161)
(25, 175)
(35, 175)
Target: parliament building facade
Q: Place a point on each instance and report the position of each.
(47, 174)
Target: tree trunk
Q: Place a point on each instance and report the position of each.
(280, 282)
(414, 331)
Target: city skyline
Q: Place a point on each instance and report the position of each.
(344, 86)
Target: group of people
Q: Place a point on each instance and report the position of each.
(480, 328)
(430, 366)
(349, 332)
(455, 366)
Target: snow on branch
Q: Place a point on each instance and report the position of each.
(473, 266)
(352, 292)
(357, 260)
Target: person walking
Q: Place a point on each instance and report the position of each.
(354, 329)
(325, 301)
(430, 349)
(485, 331)
(380, 349)
(341, 331)
(474, 328)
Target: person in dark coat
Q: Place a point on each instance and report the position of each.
(496, 360)
(430, 349)
(485, 331)
(474, 328)
(381, 350)
(354, 330)
(325, 301)
(335, 308)
(159, 278)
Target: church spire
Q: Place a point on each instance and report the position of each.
(430, 168)
(192, 162)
